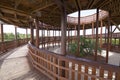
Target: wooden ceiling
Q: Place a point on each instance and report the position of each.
(18, 12)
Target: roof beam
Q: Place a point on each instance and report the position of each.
(13, 10)
(103, 3)
(17, 3)
(90, 4)
(43, 5)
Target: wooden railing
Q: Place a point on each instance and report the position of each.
(56, 40)
(114, 35)
(7, 45)
(58, 67)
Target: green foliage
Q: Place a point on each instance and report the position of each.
(11, 36)
(87, 47)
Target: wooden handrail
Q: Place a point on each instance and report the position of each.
(7, 45)
(51, 64)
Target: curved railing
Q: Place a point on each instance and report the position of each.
(58, 67)
(7, 45)
(87, 19)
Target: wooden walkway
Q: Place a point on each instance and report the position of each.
(14, 65)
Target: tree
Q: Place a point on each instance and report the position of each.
(87, 47)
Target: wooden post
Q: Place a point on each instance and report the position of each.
(78, 33)
(92, 30)
(68, 38)
(71, 34)
(63, 29)
(97, 25)
(53, 39)
(37, 32)
(1, 33)
(108, 40)
(42, 35)
(105, 35)
(59, 37)
(16, 37)
(101, 34)
(26, 34)
(83, 30)
(32, 33)
(16, 33)
(47, 38)
(110, 35)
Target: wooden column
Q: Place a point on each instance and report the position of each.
(105, 35)
(53, 39)
(97, 25)
(44, 38)
(37, 32)
(68, 37)
(27, 34)
(101, 34)
(16, 33)
(47, 38)
(110, 35)
(42, 35)
(83, 30)
(32, 33)
(92, 30)
(71, 35)
(108, 39)
(78, 33)
(59, 37)
(1, 33)
(63, 29)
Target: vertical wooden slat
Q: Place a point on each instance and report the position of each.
(79, 71)
(86, 71)
(93, 73)
(73, 73)
(66, 71)
(76, 71)
(70, 70)
(102, 73)
(110, 74)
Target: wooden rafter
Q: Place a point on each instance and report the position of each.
(43, 6)
(90, 4)
(13, 10)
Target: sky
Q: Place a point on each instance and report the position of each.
(83, 13)
(11, 29)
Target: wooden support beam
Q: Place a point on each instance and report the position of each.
(32, 33)
(97, 25)
(37, 32)
(78, 30)
(93, 30)
(101, 33)
(1, 33)
(16, 33)
(108, 40)
(13, 11)
(90, 4)
(43, 6)
(63, 28)
(26, 33)
(83, 30)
